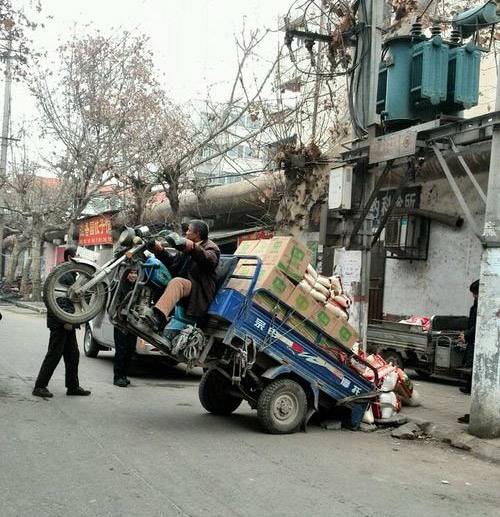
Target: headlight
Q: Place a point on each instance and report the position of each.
(142, 231)
(126, 237)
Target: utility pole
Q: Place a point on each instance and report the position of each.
(485, 400)
(367, 114)
(5, 143)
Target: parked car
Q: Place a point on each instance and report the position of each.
(99, 336)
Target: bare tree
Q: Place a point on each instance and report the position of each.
(37, 205)
(101, 89)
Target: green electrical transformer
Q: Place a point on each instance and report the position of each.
(421, 78)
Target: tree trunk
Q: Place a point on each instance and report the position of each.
(36, 291)
(2, 251)
(10, 273)
(24, 289)
(71, 234)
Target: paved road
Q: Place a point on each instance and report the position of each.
(151, 450)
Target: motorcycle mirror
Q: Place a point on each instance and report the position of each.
(126, 237)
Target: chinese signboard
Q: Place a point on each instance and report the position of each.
(96, 230)
(409, 198)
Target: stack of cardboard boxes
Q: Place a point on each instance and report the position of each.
(284, 264)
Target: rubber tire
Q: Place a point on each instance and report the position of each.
(91, 347)
(267, 399)
(214, 394)
(394, 357)
(423, 374)
(68, 267)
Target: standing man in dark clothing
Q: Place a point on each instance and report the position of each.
(469, 337)
(62, 343)
(193, 269)
(124, 342)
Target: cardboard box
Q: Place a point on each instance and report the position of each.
(301, 327)
(246, 248)
(261, 248)
(345, 333)
(270, 278)
(288, 255)
(325, 320)
(303, 303)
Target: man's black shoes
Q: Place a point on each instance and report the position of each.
(42, 392)
(155, 319)
(77, 392)
(464, 419)
(122, 382)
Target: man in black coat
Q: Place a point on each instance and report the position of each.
(194, 272)
(125, 342)
(62, 343)
(469, 337)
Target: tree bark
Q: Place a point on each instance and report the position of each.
(10, 273)
(24, 289)
(71, 234)
(36, 282)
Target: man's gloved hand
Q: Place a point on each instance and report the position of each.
(176, 241)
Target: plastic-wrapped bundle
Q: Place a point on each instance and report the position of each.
(336, 310)
(314, 293)
(335, 285)
(316, 286)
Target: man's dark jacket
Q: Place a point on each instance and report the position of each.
(199, 267)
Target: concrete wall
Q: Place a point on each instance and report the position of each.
(440, 284)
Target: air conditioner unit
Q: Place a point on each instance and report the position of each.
(340, 188)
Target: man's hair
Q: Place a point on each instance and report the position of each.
(184, 228)
(201, 227)
(474, 287)
(69, 252)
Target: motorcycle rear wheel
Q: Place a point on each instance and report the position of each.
(64, 304)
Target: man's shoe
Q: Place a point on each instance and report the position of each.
(122, 382)
(155, 319)
(77, 392)
(128, 380)
(464, 419)
(465, 390)
(42, 392)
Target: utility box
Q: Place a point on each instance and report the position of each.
(429, 72)
(340, 188)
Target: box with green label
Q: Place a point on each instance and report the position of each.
(302, 302)
(325, 320)
(288, 255)
(270, 278)
(344, 333)
(246, 248)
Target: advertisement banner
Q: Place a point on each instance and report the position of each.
(95, 230)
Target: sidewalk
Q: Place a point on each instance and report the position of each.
(33, 306)
(442, 404)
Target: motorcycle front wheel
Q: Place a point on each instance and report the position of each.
(62, 301)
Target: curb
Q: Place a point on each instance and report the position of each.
(23, 305)
(461, 440)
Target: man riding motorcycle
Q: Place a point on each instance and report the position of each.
(193, 269)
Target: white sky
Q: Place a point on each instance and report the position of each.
(192, 40)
